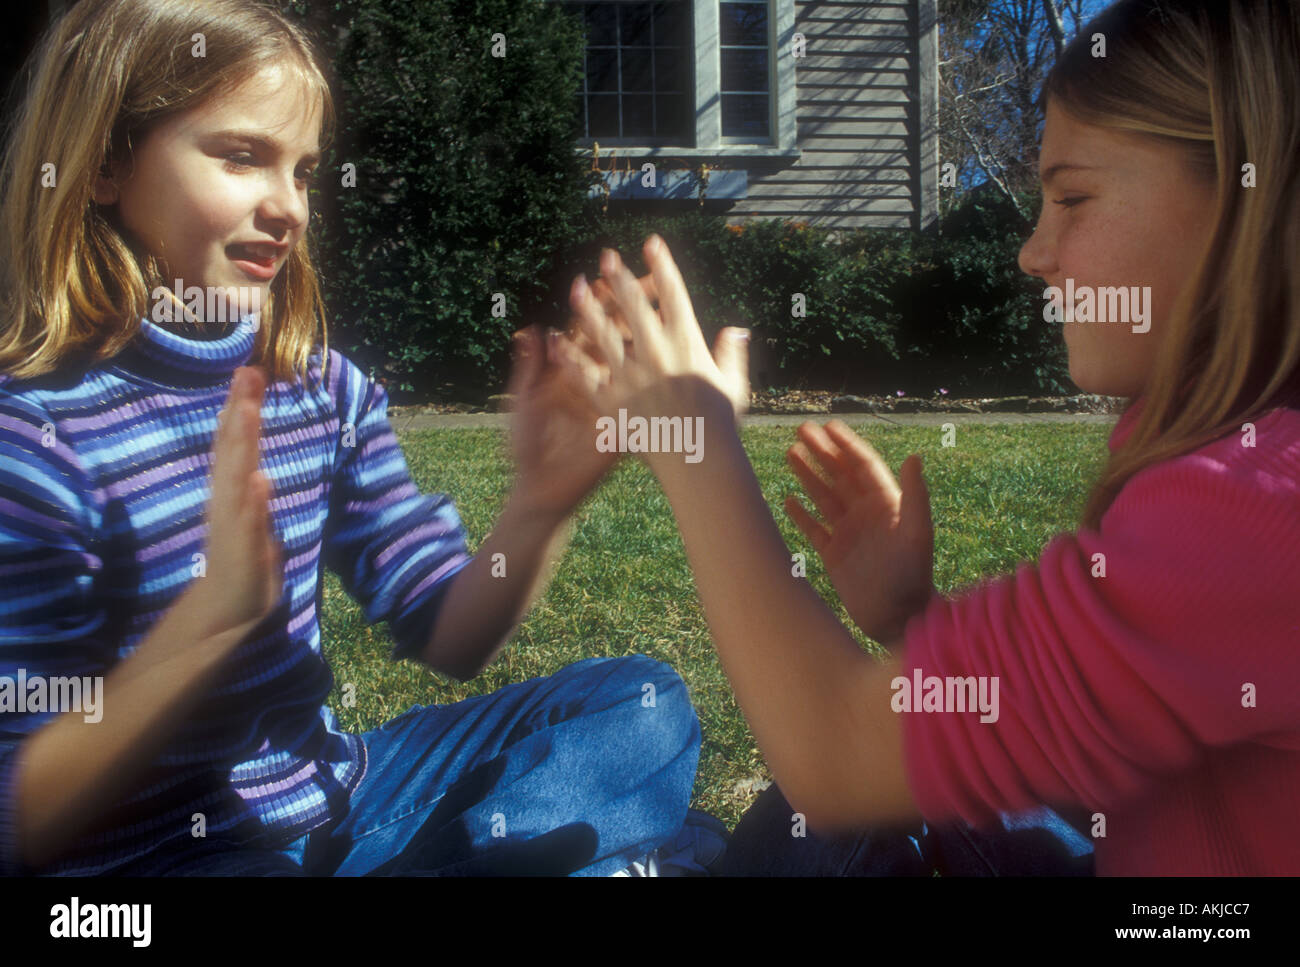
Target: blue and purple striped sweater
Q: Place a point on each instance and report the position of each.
(104, 480)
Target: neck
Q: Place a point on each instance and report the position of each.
(200, 330)
(187, 356)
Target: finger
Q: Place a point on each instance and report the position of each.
(674, 303)
(647, 329)
(589, 360)
(731, 353)
(863, 459)
(821, 493)
(808, 525)
(261, 534)
(606, 295)
(527, 363)
(915, 519)
(580, 373)
(829, 460)
(275, 578)
(223, 441)
(237, 391)
(253, 518)
(237, 431)
(254, 386)
(244, 459)
(259, 497)
(251, 387)
(595, 323)
(601, 290)
(585, 346)
(853, 485)
(583, 367)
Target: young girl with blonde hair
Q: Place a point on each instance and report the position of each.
(166, 145)
(1147, 665)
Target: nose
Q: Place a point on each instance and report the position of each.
(1036, 256)
(285, 202)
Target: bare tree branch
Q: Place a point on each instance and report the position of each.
(994, 55)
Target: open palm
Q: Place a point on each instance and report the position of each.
(875, 538)
(552, 431)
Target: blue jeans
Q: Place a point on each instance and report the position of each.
(1037, 843)
(579, 772)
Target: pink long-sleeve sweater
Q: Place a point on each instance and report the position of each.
(1164, 696)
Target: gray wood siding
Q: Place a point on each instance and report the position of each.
(859, 114)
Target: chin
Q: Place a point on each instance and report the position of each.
(1082, 374)
(1103, 383)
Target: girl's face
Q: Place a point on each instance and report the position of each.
(1118, 210)
(219, 193)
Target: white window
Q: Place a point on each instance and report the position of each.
(678, 77)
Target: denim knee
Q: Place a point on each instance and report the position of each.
(654, 689)
(651, 681)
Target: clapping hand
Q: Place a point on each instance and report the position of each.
(243, 578)
(653, 364)
(875, 537)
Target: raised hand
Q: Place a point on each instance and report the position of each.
(652, 363)
(552, 431)
(875, 538)
(244, 566)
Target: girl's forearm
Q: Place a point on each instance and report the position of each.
(818, 705)
(494, 591)
(70, 771)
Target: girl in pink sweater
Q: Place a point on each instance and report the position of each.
(1145, 673)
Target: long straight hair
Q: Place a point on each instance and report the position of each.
(1220, 79)
(72, 285)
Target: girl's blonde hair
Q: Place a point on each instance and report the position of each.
(1221, 79)
(71, 285)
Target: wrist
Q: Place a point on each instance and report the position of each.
(707, 425)
(202, 620)
(527, 514)
(893, 638)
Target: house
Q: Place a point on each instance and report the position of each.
(824, 113)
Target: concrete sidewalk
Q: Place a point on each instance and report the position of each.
(479, 421)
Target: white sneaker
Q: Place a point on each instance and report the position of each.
(696, 850)
(647, 865)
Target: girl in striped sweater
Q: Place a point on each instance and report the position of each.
(172, 479)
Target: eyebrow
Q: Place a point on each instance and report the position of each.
(267, 144)
(1056, 169)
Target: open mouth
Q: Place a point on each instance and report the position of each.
(258, 262)
(251, 253)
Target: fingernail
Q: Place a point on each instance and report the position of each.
(607, 262)
(741, 335)
(580, 288)
(652, 244)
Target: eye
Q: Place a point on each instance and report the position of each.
(311, 177)
(1070, 202)
(235, 165)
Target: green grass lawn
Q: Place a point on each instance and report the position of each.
(624, 586)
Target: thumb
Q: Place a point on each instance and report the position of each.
(914, 504)
(527, 362)
(731, 353)
(273, 550)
